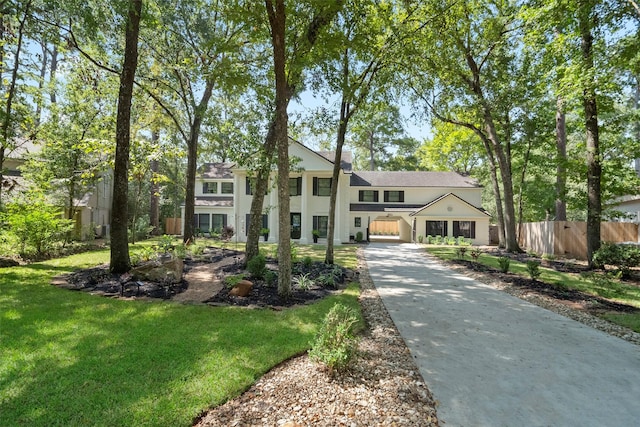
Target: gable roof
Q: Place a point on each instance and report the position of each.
(345, 162)
(445, 196)
(411, 179)
(216, 171)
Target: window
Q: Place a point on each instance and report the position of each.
(209, 187)
(201, 222)
(226, 187)
(465, 229)
(437, 228)
(368, 195)
(321, 223)
(295, 186)
(394, 196)
(357, 222)
(219, 221)
(321, 186)
(265, 223)
(251, 184)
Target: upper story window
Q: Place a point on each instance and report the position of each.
(209, 187)
(321, 186)
(394, 196)
(295, 186)
(226, 187)
(368, 195)
(251, 185)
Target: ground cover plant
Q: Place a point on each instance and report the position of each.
(609, 297)
(70, 358)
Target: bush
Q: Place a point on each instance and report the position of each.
(623, 257)
(359, 236)
(504, 262)
(227, 232)
(307, 261)
(271, 277)
(420, 238)
(257, 266)
(335, 344)
(37, 226)
(533, 268)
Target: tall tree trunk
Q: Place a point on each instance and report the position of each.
(345, 114)
(372, 162)
(120, 261)
(561, 161)
(523, 174)
(154, 202)
(6, 135)
(192, 162)
(594, 168)
(257, 201)
(277, 22)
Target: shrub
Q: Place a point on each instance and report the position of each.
(233, 280)
(475, 254)
(335, 344)
(303, 282)
(504, 262)
(359, 236)
(307, 261)
(533, 268)
(227, 232)
(271, 277)
(257, 266)
(37, 226)
(461, 252)
(420, 238)
(623, 257)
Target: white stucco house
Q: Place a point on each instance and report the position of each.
(422, 203)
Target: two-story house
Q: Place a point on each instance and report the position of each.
(422, 203)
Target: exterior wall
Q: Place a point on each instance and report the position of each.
(421, 195)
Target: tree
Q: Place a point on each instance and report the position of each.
(120, 261)
(452, 148)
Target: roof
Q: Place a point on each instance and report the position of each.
(214, 201)
(345, 162)
(216, 171)
(444, 196)
(411, 179)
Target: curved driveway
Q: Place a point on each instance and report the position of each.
(491, 359)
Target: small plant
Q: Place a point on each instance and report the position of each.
(196, 249)
(607, 284)
(265, 233)
(438, 240)
(420, 238)
(271, 277)
(504, 262)
(307, 261)
(146, 253)
(461, 252)
(327, 281)
(315, 233)
(303, 282)
(335, 344)
(294, 252)
(180, 251)
(533, 268)
(257, 266)
(231, 281)
(227, 232)
(548, 257)
(359, 236)
(166, 244)
(475, 254)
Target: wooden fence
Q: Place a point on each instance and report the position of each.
(384, 228)
(173, 226)
(569, 239)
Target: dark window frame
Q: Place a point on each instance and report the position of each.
(373, 193)
(357, 222)
(209, 187)
(321, 223)
(468, 231)
(297, 186)
(398, 193)
(325, 189)
(227, 184)
(442, 227)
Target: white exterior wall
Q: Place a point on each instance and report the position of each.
(421, 195)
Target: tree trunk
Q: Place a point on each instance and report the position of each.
(561, 161)
(342, 131)
(120, 261)
(192, 162)
(277, 18)
(594, 168)
(154, 203)
(372, 163)
(7, 136)
(261, 184)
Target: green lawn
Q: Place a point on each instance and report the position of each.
(616, 291)
(69, 358)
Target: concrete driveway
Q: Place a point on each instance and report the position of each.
(491, 359)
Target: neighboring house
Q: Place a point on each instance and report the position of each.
(422, 203)
(629, 206)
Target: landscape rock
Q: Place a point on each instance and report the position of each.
(242, 288)
(8, 262)
(169, 271)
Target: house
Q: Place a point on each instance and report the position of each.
(420, 203)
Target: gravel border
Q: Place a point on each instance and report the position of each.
(383, 387)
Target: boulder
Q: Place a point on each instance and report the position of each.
(168, 271)
(8, 262)
(242, 288)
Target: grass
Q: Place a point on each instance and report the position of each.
(70, 358)
(615, 290)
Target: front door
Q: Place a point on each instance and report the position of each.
(296, 225)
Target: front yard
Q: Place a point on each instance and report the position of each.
(70, 358)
